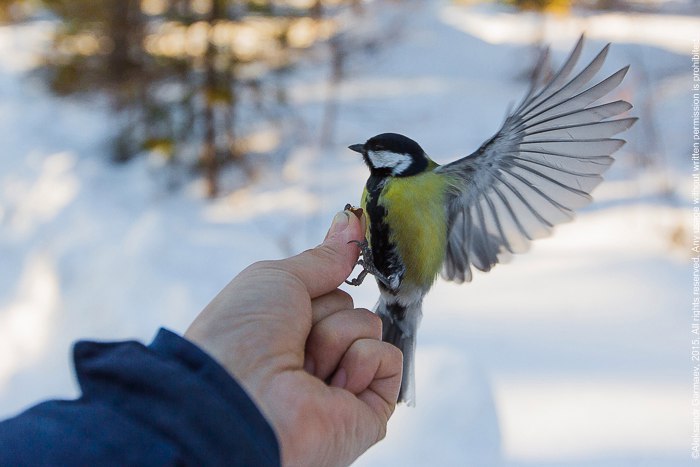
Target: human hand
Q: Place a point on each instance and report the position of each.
(283, 330)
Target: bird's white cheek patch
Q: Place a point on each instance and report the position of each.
(390, 160)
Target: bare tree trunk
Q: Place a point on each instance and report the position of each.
(208, 158)
(330, 111)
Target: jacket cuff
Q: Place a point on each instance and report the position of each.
(170, 345)
(183, 394)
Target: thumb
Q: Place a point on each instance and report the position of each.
(324, 268)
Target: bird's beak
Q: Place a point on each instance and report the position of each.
(357, 147)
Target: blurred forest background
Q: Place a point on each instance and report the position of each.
(151, 149)
(200, 85)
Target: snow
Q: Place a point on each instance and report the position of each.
(576, 354)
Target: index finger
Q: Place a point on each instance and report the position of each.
(324, 268)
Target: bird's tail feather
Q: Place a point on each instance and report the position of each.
(399, 325)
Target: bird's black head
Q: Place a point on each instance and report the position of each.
(391, 154)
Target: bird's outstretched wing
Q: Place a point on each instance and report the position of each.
(541, 165)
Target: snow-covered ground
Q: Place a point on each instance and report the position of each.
(575, 354)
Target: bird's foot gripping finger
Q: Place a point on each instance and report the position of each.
(360, 277)
(367, 263)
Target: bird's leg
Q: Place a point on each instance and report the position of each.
(368, 267)
(360, 277)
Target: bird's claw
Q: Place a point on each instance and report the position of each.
(367, 263)
(359, 279)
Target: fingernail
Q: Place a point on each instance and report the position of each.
(339, 379)
(340, 222)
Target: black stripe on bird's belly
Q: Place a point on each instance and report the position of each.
(396, 311)
(384, 252)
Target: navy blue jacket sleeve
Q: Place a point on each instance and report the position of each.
(165, 404)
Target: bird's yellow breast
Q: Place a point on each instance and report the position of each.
(415, 213)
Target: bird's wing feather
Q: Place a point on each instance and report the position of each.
(541, 165)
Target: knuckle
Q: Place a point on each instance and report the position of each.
(327, 255)
(278, 271)
(381, 433)
(322, 252)
(261, 267)
(394, 354)
(264, 264)
(375, 322)
(345, 300)
(371, 320)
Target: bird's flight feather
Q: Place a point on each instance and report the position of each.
(541, 165)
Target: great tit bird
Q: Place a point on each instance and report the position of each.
(425, 218)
